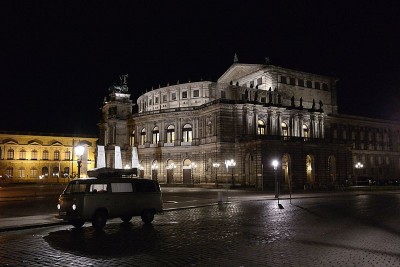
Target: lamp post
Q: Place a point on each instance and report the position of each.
(79, 152)
(358, 166)
(231, 163)
(275, 165)
(216, 166)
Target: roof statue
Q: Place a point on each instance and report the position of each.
(235, 58)
(267, 61)
(122, 86)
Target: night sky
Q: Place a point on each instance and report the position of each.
(58, 58)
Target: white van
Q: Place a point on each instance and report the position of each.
(96, 200)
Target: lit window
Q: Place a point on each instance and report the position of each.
(187, 133)
(170, 134)
(34, 155)
(156, 135)
(132, 139)
(67, 155)
(10, 154)
(33, 173)
(261, 127)
(56, 155)
(9, 172)
(143, 136)
(45, 155)
(22, 154)
(305, 131)
(285, 131)
(21, 172)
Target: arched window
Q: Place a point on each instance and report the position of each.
(56, 155)
(9, 172)
(156, 135)
(56, 172)
(143, 136)
(33, 172)
(67, 155)
(132, 138)
(285, 131)
(305, 131)
(66, 171)
(10, 154)
(45, 155)
(45, 171)
(21, 172)
(261, 127)
(187, 133)
(34, 155)
(22, 154)
(170, 134)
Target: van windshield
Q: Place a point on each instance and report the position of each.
(73, 188)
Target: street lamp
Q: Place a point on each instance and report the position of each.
(275, 164)
(79, 152)
(231, 163)
(193, 166)
(216, 166)
(358, 166)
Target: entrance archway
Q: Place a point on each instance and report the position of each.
(170, 171)
(154, 170)
(187, 171)
(310, 169)
(249, 170)
(287, 170)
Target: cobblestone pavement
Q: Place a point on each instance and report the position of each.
(361, 230)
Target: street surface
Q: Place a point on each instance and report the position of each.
(348, 230)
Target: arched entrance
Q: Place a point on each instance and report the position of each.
(250, 170)
(287, 170)
(141, 169)
(332, 169)
(170, 171)
(310, 169)
(187, 171)
(154, 170)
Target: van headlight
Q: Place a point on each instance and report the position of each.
(58, 206)
(73, 207)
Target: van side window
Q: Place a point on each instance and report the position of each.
(145, 186)
(98, 188)
(121, 187)
(75, 187)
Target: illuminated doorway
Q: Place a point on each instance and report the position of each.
(310, 169)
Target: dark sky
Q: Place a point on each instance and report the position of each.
(58, 58)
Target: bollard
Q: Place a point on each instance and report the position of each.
(220, 197)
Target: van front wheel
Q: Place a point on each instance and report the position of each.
(99, 220)
(147, 216)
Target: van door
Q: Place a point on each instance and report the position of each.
(122, 198)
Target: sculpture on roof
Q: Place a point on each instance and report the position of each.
(122, 86)
(235, 58)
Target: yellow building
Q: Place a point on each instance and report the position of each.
(44, 157)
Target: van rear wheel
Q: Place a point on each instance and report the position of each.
(99, 220)
(126, 218)
(78, 223)
(147, 216)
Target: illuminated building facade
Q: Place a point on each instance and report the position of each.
(43, 157)
(192, 133)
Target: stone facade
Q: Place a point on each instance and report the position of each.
(43, 157)
(252, 114)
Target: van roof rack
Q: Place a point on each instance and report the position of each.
(112, 173)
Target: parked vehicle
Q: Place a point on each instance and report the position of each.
(96, 200)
